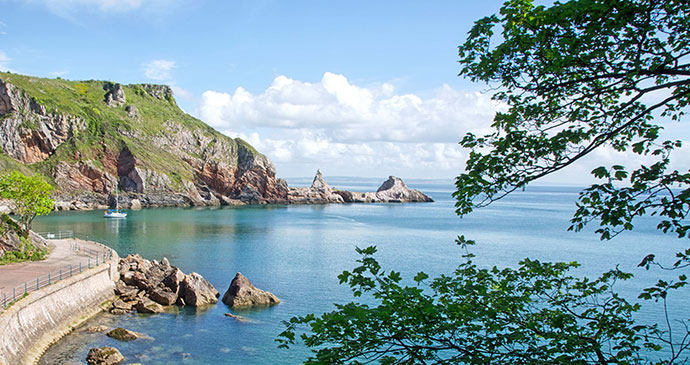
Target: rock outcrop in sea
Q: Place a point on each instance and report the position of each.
(243, 294)
(318, 193)
(147, 286)
(392, 190)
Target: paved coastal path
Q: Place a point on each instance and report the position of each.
(64, 252)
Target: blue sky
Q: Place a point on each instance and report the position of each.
(356, 88)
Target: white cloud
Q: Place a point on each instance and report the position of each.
(4, 62)
(354, 130)
(159, 70)
(349, 113)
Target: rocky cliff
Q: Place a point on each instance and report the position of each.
(91, 137)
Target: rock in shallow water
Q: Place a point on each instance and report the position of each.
(146, 305)
(242, 293)
(104, 356)
(197, 291)
(122, 334)
(147, 285)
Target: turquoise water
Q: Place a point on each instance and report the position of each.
(296, 252)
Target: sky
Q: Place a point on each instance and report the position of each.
(355, 88)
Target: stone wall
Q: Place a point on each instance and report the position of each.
(32, 324)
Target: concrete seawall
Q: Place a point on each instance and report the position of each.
(33, 323)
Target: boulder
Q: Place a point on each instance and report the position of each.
(146, 305)
(174, 279)
(104, 356)
(242, 293)
(197, 291)
(163, 296)
(122, 334)
(135, 204)
(132, 112)
(121, 304)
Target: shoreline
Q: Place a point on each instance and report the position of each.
(35, 322)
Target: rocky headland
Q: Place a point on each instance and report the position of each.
(392, 190)
(89, 138)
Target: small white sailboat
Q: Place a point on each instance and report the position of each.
(115, 213)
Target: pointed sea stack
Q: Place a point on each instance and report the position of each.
(242, 294)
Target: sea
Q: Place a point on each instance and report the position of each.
(297, 252)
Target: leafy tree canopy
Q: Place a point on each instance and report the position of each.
(30, 195)
(575, 77)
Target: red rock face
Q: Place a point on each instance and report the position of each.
(218, 177)
(225, 171)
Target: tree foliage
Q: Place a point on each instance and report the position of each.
(30, 195)
(574, 77)
(577, 77)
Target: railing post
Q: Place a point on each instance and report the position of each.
(25, 288)
(89, 263)
(60, 274)
(70, 271)
(37, 285)
(48, 278)
(14, 294)
(79, 266)
(4, 300)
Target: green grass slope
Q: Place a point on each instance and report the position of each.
(109, 129)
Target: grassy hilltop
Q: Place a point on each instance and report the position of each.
(170, 146)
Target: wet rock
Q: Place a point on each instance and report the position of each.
(236, 317)
(104, 356)
(146, 305)
(122, 334)
(242, 293)
(197, 291)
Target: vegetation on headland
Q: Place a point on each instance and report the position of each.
(27, 251)
(23, 250)
(110, 129)
(575, 77)
(30, 197)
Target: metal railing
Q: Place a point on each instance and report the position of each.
(94, 258)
